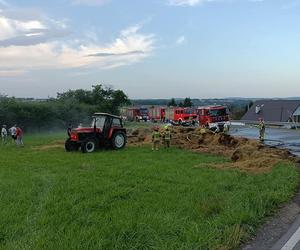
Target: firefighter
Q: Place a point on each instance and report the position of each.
(203, 130)
(167, 137)
(155, 138)
(226, 128)
(262, 129)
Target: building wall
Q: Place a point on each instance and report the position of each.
(296, 115)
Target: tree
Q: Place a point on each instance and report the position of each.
(102, 98)
(118, 99)
(72, 106)
(172, 103)
(187, 102)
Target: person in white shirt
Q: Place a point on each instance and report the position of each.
(13, 132)
(4, 135)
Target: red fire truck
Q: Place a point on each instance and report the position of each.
(137, 114)
(157, 113)
(132, 114)
(180, 115)
(213, 116)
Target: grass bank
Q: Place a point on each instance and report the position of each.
(130, 199)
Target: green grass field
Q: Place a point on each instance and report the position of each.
(130, 199)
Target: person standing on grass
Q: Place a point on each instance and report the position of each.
(13, 131)
(156, 138)
(167, 137)
(19, 135)
(4, 135)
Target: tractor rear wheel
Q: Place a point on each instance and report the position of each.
(89, 146)
(118, 140)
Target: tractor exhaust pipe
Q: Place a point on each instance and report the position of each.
(95, 126)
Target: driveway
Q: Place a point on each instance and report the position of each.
(282, 138)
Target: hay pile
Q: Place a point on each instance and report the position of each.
(245, 154)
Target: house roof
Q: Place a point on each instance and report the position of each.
(272, 110)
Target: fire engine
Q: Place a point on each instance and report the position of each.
(157, 113)
(180, 115)
(137, 114)
(144, 114)
(213, 116)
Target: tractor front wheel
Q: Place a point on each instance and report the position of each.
(119, 140)
(71, 146)
(89, 146)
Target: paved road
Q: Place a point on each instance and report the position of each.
(290, 240)
(282, 138)
(288, 139)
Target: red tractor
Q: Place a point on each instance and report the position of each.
(106, 131)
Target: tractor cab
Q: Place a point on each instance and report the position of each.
(99, 121)
(106, 131)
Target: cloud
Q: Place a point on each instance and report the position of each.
(27, 27)
(129, 47)
(35, 36)
(90, 2)
(198, 2)
(187, 2)
(35, 44)
(11, 72)
(180, 40)
(103, 54)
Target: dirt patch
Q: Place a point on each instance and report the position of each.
(52, 145)
(245, 154)
(86, 167)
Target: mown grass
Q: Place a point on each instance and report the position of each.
(130, 199)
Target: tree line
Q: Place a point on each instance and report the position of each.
(186, 103)
(77, 106)
(70, 107)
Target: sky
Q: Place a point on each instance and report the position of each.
(151, 48)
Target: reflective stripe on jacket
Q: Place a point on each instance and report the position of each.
(156, 136)
(261, 126)
(167, 135)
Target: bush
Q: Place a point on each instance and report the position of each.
(73, 106)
